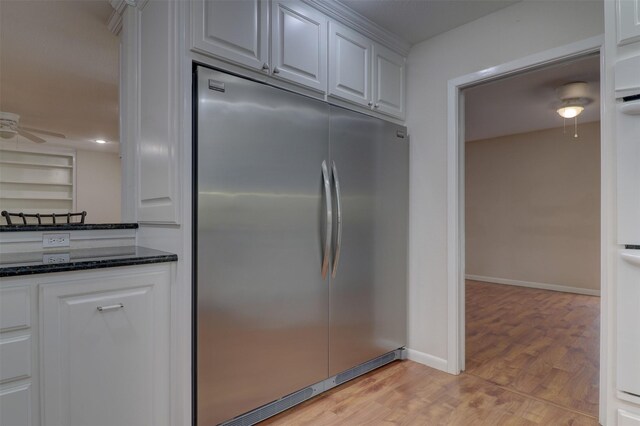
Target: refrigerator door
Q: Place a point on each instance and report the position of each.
(367, 314)
(262, 317)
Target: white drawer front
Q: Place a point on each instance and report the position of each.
(628, 320)
(626, 418)
(628, 139)
(15, 406)
(15, 358)
(15, 310)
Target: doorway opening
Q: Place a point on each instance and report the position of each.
(526, 242)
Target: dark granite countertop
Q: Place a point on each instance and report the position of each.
(68, 227)
(42, 262)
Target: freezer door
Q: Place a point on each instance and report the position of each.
(262, 317)
(367, 313)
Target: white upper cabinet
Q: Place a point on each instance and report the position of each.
(237, 30)
(158, 150)
(388, 82)
(294, 42)
(628, 21)
(349, 65)
(366, 73)
(299, 44)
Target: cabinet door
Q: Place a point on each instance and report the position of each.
(15, 405)
(388, 82)
(105, 346)
(299, 44)
(349, 65)
(235, 30)
(157, 106)
(628, 21)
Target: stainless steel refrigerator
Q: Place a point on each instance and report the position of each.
(301, 247)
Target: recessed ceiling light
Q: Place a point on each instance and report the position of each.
(100, 141)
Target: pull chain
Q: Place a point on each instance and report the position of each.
(575, 132)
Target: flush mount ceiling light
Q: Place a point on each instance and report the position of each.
(570, 111)
(573, 96)
(100, 141)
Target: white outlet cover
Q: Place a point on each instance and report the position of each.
(55, 240)
(55, 258)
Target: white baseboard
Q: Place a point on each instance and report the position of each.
(428, 360)
(541, 286)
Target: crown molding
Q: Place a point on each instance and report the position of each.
(115, 20)
(353, 19)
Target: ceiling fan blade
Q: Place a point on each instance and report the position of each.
(31, 136)
(44, 132)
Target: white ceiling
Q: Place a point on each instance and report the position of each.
(418, 20)
(59, 69)
(528, 101)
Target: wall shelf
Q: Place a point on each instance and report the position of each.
(24, 163)
(37, 180)
(36, 183)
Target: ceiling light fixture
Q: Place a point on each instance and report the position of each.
(100, 141)
(574, 97)
(570, 111)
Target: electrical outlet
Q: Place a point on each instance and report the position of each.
(55, 240)
(55, 258)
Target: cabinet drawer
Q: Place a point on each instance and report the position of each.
(15, 358)
(626, 418)
(15, 405)
(15, 309)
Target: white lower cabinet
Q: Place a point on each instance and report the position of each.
(105, 350)
(15, 405)
(86, 348)
(625, 418)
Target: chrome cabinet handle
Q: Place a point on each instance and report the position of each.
(631, 258)
(265, 67)
(370, 103)
(327, 199)
(336, 182)
(376, 106)
(110, 307)
(276, 70)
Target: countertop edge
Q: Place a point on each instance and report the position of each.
(82, 266)
(67, 227)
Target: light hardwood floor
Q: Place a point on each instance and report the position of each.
(531, 360)
(536, 342)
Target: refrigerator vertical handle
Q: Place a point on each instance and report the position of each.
(336, 182)
(329, 230)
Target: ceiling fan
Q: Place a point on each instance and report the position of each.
(10, 127)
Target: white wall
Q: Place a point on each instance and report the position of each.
(98, 186)
(532, 208)
(514, 32)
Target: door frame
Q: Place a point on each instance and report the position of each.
(456, 193)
